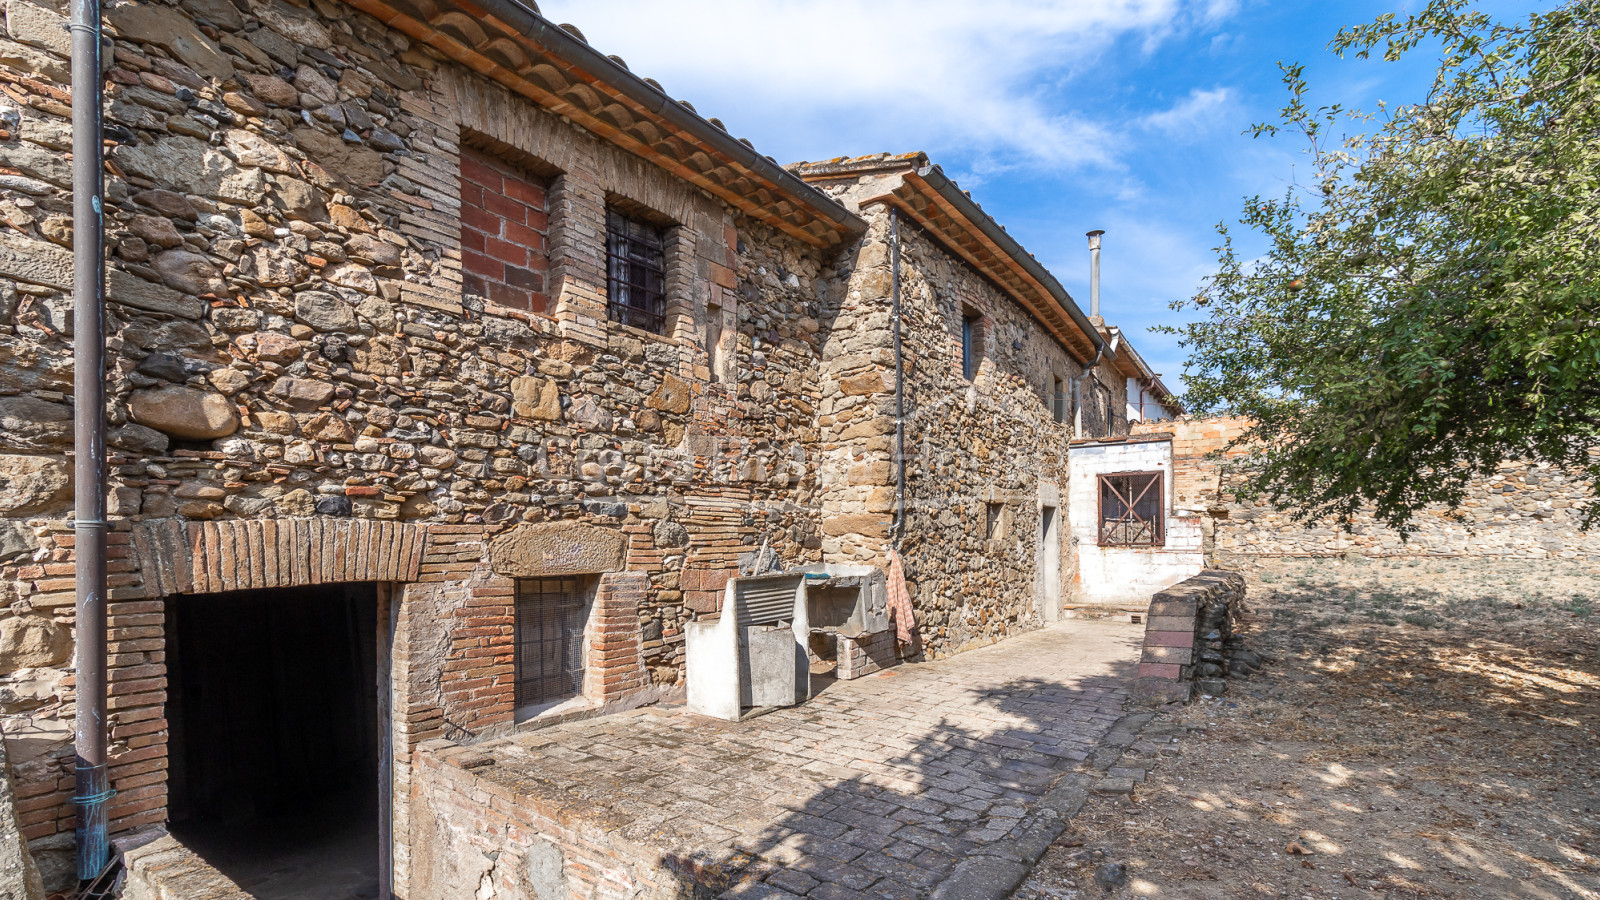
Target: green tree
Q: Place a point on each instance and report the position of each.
(1429, 305)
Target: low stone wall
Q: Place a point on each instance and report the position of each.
(1189, 635)
(163, 867)
(19, 880)
(1524, 510)
(868, 654)
(520, 841)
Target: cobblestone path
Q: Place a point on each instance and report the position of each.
(875, 788)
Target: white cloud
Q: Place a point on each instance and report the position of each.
(1192, 116)
(991, 79)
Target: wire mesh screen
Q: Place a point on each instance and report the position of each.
(1131, 507)
(549, 639)
(635, 272)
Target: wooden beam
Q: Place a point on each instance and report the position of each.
(481, 64)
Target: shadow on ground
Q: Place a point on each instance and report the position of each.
(1428, 730)
(897, 831)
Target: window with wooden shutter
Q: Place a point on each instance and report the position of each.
(1132, 510)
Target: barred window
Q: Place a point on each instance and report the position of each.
(1132, 510)
(635, 272)
(549, 639)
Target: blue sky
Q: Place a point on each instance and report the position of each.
(1058, 115)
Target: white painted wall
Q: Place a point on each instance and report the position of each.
(1152, 410)
(1126, 576)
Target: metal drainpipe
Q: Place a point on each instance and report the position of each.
(89, 438)
(899, 382)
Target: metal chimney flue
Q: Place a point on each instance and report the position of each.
(1094, 272)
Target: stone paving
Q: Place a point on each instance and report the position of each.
(875, 788)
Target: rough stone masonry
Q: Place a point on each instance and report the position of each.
(360, 330)
(1524, 510)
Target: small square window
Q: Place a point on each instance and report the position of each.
(1060, 400)
(994, 521)
(1132, 510)
(635, 272)
(549, 640)
(716, 351)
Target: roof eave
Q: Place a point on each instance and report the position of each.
(537, 34)
(934, 180)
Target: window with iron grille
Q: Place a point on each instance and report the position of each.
(635, 272)
(549, 632)
(1132, 510)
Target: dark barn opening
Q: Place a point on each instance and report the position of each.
(272, 710)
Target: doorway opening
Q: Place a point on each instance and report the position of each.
(1050, 560)
(274, 743)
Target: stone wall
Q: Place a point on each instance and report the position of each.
(1188, 636)
(1525, 510)
(294, 335)
(977, 452)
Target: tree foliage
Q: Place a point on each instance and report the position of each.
(1429, 305)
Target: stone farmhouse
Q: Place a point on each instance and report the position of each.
(454, 370)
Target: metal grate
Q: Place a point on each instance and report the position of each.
(549, 639)
(1131, 510)
(635, 272)
(767, 600)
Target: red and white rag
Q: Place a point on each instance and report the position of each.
(905, 623)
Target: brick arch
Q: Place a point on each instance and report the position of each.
(175, 557)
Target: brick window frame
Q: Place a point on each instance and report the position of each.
(505, 225)
(1131, 509)
(674, 317)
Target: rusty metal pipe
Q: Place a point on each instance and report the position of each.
(89, 438)
(899, 383)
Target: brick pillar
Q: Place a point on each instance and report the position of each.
(577, 208)
(616, 656)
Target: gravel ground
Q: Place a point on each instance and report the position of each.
(1422, 729)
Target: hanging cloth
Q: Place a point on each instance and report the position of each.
(905, 622)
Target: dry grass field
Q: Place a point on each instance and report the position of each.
(1425, 728)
